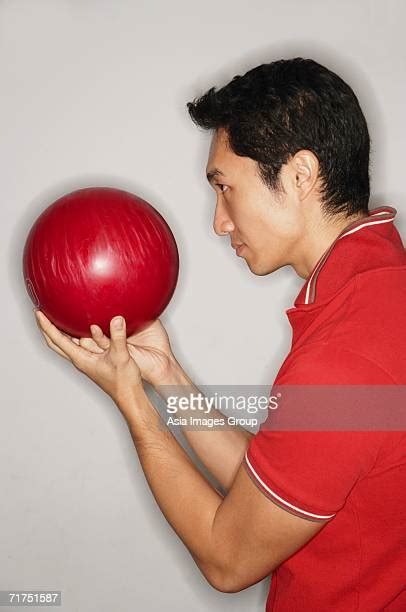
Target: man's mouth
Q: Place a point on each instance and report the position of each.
(238, 246)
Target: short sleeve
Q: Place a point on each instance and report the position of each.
(312, 473)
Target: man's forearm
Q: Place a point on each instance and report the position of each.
(221, 451)
(186, 498)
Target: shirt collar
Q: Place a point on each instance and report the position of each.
(370, 242)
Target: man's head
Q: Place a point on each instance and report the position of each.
(289, 156)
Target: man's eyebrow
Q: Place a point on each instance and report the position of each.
(213, 173)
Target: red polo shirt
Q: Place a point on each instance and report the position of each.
(349, 328)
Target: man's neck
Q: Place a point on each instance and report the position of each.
(319, 239)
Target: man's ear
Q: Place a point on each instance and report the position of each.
(304, 166)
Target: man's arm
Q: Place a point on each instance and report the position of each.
(236, 540)
(221, 451)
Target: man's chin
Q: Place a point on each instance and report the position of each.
(262, 268)
(256, 268)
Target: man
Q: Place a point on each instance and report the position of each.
(323, 510)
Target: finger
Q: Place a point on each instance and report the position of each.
(60, 340)
(90, 345)
(118, 336)
(100, 339)
(54, 347)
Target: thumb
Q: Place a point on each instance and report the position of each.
(118, 335)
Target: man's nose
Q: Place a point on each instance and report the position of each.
(222, 223)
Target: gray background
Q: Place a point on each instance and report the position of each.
(94, 92)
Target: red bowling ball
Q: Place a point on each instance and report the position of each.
(96, 253)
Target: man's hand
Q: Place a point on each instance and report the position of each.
(150, 349)
(113, 368)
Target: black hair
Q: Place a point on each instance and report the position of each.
(279, 108)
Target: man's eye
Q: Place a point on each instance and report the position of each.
(222, 187)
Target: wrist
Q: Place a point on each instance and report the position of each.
(130, 399)
(173, 375)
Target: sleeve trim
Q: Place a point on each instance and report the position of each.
(283, 501)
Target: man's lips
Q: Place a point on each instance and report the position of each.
(238, 246)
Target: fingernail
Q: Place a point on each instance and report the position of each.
(118, 322)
